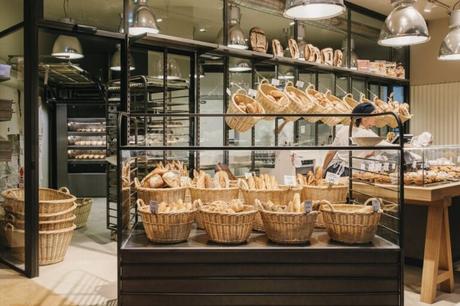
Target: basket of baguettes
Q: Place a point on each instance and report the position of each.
(208, 190)
(316, 188)
(265, 188)
(352, 224)
(167, 222)
(242, 104)
(227, 222)
(165, 183)
(291, 223)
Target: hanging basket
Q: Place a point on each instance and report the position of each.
(270, 105)
(299, 102)
(242, 124)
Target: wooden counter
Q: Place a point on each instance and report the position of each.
(437, 262)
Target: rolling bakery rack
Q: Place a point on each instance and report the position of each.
(260, 272)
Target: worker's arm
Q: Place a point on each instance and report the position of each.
(327, 160)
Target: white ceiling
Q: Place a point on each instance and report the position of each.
(384, 7)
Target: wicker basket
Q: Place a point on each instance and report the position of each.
(330, 193)
(53, 245)
(350, 101)
(208, 195)
(68, 213)
(280, 196)
(167, 227)
(43, 225)
(289, 228)
(50, 201)
(318, 108)
(228, 228)
(241, 124)
(295, 106)
(82, 211)
(167, 195)
(269, 106)
(345, 224)
(341, 107)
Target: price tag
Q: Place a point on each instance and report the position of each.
(153, 207)
(275, 82)
(252, 92)
(247, 175)
(302, 129)
(332, 178)
(297, 162)
(363, 167)
(414, 164)
(393, 167)
(375, 205)
(386, 167)
(229, 92)
(308, 206)
(290, 180)
(299, 84)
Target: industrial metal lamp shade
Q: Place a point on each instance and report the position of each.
(313, 9)
(241, 66)
(404, 26)
(173, 70)
(143, 20)
(116, 65)
(67, 47)
(236, 37)
(450, 47)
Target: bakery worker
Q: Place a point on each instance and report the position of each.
(337, 161)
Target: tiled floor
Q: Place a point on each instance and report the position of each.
(88, 274)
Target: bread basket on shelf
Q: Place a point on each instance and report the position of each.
(166, 227)
(351, 224)
(317, 108)
(288, 227)
(167, 195)
(228, 228)
(277, 196)
(350, 101)
(300, 103)
(273, 100)
(242, 104)
(341, 107)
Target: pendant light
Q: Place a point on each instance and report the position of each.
(142, 19)
(313, 9)
(67, 47)
(404, 26)
(116, 63)
(173, 70)
(450, 47)
(240, 66)
(236, 38)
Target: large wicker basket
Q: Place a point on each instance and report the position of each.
(228, 228)
(318, 108)
(330, 193)
(289, 228)
(50, 201)
(269, 106)
(241, 124)
(167, 195)
(166, 227)
(208, 195)
(297, 107)
(53, 245)
(280, 196)
(345, 224)
(43, 225)
(65, 214)
(82, 212)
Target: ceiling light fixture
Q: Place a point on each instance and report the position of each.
(173, 70)
(450, 47)
(404, 26)
(67, 47)
(116, 62)
(236, 38)
(240, 66)
(313, 9)
(142, 19)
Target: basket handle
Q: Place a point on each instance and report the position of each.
(10, 218)
(240, 91)
(327, 203)
(370, 200)
(289, 83)
(9, 226)
(137, 183)
(361, 97)
(140, 203)
(65, 190)
(264, 81)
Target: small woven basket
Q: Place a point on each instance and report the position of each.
(330, 193)
(228, 228)
(289, 228)
(168, 195)
(241, 124)
(165, 227)
(50, 201)
(82, 212)
(280, 196)
(270, 106)
(53, 245)
(345, 224)
(297, 107)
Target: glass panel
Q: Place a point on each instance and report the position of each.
(103, 14)
(358, 88)
(11, 13)
(12, 233)
(341, 87)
